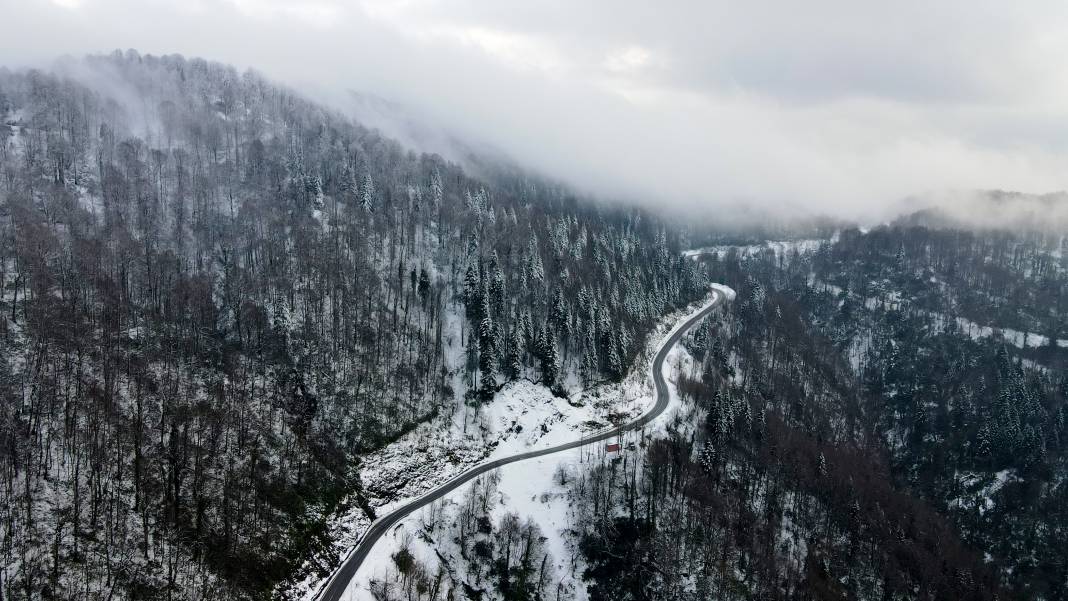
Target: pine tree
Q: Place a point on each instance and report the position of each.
(472, 292)
(560, 317)
(615, 361)
(535, 271)
(590, 345)
(424, 285)
(348, 186)
(589, 366)
(496, 286)
(513, 363)
(367, 193)
(437, 189)
(487, 357)
(314, 186)
(487, 377)
(550, 359)
(708, 457)
(526, 328)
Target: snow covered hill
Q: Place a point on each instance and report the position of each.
(523, 417)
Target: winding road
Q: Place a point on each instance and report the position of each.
(335, 587)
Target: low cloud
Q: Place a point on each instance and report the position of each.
(832, 107)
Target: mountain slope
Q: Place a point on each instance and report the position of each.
(217, 296)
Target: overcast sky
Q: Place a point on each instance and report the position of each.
(838, 106)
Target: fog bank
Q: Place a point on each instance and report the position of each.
(830, 107)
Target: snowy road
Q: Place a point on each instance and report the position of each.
(339, 582)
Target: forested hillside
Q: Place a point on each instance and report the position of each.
(215, 295)
(879, 417)
(965, 380)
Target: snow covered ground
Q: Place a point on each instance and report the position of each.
(979, 489)
(727, 290)
(522, 417)
(1014, 337)
(779, 247)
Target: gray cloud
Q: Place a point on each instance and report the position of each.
(833, 106)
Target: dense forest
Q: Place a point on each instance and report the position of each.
(216, 295)
(871, 420)
(968, 397)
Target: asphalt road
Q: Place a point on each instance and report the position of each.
(337, 584)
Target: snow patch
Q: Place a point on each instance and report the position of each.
(980, 489)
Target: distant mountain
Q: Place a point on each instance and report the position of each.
(993, 210)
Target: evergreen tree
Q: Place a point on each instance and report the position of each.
(472, 292)
(367, 193)
(534, 271)
(437, 189)
(615, 361)
(560, 317)
(707, 458)
(496, 286)
(550, 359)
(589, 366)
(513, 362)
(488, 346)
(423, 285)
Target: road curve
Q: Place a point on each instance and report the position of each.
(335, 587)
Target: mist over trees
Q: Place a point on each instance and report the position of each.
(216, 295)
